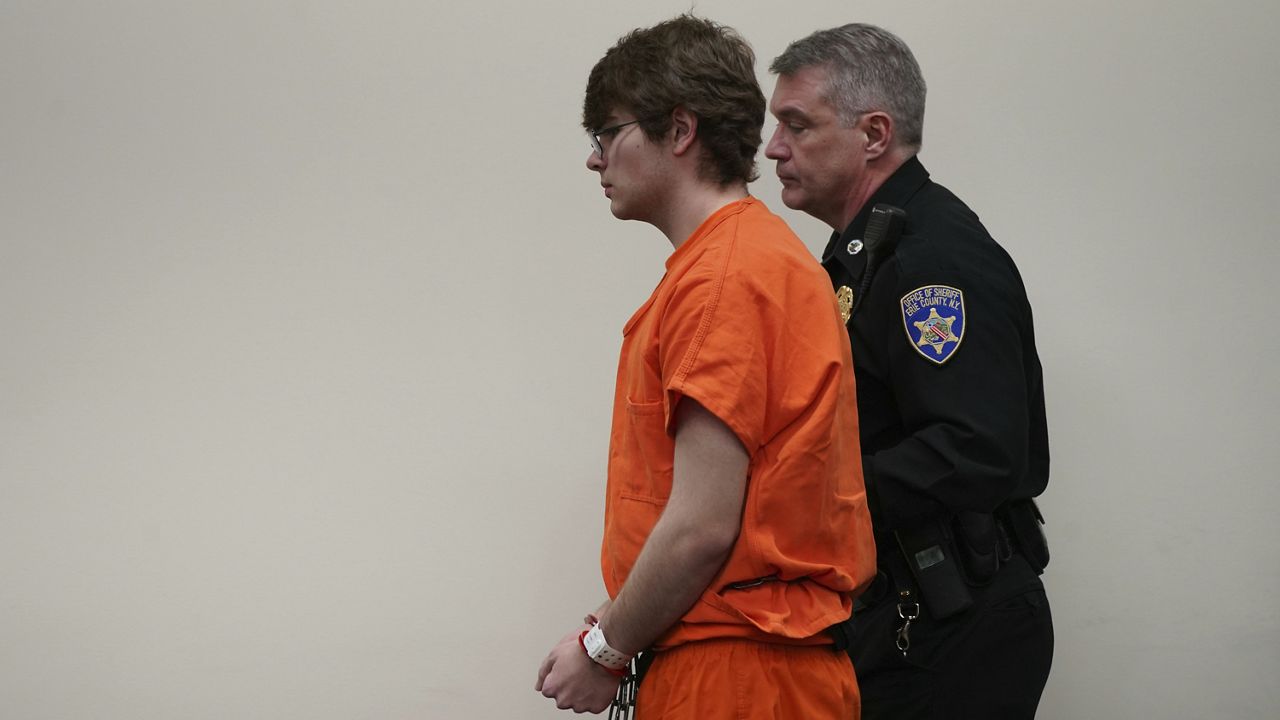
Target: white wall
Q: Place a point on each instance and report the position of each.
(310, 314)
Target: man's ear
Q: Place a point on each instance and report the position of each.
(684, 128)
(879, 129)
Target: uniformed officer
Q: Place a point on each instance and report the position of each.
(949, 389)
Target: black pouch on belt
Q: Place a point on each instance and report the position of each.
(1025, 521)
(978, 545)
(929, 550)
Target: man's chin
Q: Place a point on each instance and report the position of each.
(793, 198)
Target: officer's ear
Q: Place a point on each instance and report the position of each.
(684, 128)
(878, 127)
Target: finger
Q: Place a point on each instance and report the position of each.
(544, 670)
(550, 687)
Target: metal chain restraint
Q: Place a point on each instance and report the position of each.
(625, 701)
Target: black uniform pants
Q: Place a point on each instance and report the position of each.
(989, 662)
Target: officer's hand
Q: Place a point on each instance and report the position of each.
(575, 681)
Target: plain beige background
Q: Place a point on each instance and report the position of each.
(309, 314)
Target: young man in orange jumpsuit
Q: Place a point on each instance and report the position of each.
(736, 523)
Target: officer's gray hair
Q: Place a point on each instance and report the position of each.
(869, 68)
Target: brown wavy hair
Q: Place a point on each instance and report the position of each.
(688, 62)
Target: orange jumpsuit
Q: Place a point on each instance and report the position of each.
(744, 323)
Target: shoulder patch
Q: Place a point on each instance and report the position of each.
(934, 319)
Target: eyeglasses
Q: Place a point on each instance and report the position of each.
(595, 135)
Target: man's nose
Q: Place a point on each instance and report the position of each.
(595, 163)
(776, 149)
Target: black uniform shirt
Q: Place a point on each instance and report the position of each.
(950, 403)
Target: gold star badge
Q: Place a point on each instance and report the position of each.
(935, 331)
(844, 299)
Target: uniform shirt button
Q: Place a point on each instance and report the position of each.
(855, 247)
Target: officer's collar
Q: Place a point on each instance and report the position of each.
(896, 191)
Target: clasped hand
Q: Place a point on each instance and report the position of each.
(575, 681)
